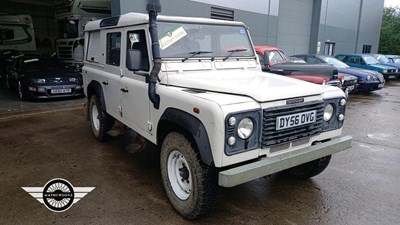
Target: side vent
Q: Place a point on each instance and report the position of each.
(222, 14)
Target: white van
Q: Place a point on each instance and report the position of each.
(194, 88)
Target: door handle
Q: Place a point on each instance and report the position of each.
(105, 82)
(124, 90)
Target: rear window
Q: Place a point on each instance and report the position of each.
(94, 47)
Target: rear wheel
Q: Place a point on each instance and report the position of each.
(100, 121)
(191, 186)
(310, 169)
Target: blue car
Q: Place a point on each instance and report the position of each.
(386, 61)
(367, 61)
(368, 80)
(394, 58)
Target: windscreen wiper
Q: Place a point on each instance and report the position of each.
(196, 53)
(233, 51)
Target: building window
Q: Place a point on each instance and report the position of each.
(329, 48)
(366, 48)
(113, 48)
(222, 14)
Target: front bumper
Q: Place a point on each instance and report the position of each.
(271, 165)
(367, 87)
(390, 76)
(44, 91)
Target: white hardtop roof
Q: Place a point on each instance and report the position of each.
(129, 19)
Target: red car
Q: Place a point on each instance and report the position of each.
(277, 62)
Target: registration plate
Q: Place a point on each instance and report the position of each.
(295, 120)
(392, 77)
(60, 91)
(380, 85)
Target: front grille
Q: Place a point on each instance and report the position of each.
(391, 71)
(65, 52)
(349, 82)
(272, 137)
(57, 80)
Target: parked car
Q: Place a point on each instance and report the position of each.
(394, 58)
(368, 80)
(277, 62)
(385, 61)
(43, 78)
(366, 61)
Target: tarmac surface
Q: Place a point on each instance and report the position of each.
(360, 186)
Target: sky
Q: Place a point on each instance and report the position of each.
(392, 3)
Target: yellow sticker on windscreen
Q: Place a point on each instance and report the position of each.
(171, 37)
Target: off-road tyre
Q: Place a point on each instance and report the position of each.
(310, 169)
(104, 121)
(204, 179)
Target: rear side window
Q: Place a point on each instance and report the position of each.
(342, 58)
(355, 59)
(113, 48)
(313, 60)
(94, 47)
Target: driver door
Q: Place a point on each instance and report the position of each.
(134, 98)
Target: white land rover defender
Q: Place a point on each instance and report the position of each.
(194, 88)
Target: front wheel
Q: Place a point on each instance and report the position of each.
(100, 121)
(191, 186)
(310, 169)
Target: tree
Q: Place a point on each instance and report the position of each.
(389, 42)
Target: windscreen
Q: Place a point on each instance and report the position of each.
(68, 28)
(180, 40)
(370, 60)
(335, 62)
(32, 65)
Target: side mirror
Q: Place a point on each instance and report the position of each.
(266, 58)
(133, 60)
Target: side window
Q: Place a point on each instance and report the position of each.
(94, 51)
(137, 40)
(260, 58)
(113, 48)
(355, 59)
(342, 58)
(313, 60)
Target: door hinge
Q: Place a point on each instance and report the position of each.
(120, 110)
(149, 126)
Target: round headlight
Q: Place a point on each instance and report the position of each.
(384, 71)
(73, 79)
(39, 81)
(369, 77)
(245, 128)
(232, 121)
(342, 102)
(328, 112)
(231, 141)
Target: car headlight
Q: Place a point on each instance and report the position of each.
(328, 112)
(73, 79)
(385, 71)
(369, 77)
(39, 81)
(245, 128)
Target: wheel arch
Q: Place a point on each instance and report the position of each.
(177, 120)
(94, 88)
